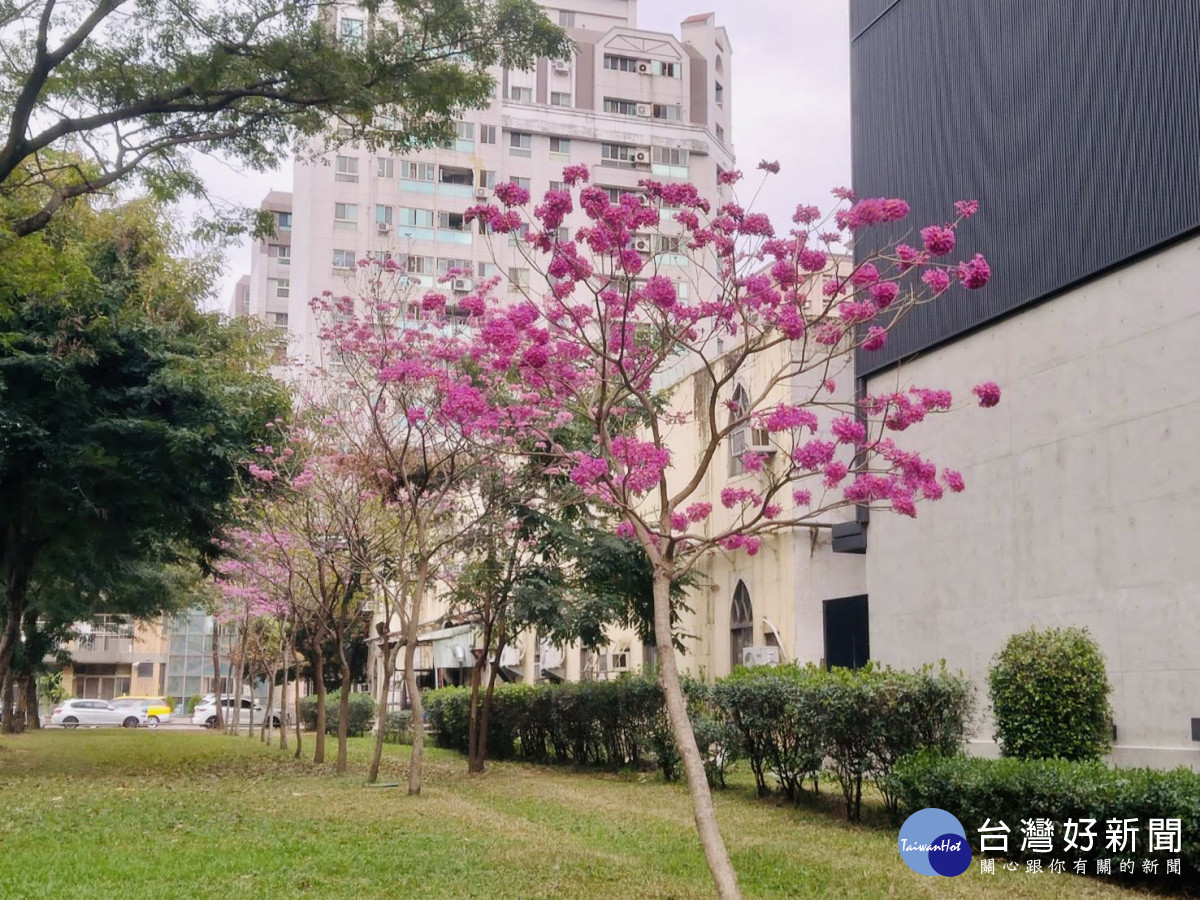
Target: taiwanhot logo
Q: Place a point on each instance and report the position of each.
(933, 842)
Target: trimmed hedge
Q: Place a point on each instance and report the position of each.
(1049, 692)
(787, 722)
(1009, 790)
(362, 712)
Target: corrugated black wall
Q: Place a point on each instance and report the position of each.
(1075, 123)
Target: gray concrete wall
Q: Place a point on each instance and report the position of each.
(1082, 504)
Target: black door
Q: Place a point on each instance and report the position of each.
(846, 632)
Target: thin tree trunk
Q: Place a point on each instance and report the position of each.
(296, 704)
(474, 756)
(33, 715)
(16, 595)
(319, 680)
(343, 703)
(250, 711)
(385, 682)
(287, 658)
(216, 660)
(485, 718)
(19, 691)
(410, 680)
(7, 726)
(685, 742)
(264, 732)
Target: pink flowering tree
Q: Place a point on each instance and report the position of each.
(750, 369)
(411, 401)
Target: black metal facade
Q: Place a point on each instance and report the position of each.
(1075, 123)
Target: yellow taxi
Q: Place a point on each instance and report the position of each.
(158, 712)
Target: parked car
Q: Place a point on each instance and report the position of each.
(205, 712)
(73, 713)
(157, 710)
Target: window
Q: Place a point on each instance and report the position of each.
(457, 175)
(620, 661)
(558, 185)
(452, 221)
(620, 107)
(385, 167)
(283, 288)
(416, 265)
(617, 155)
(487, 134)
(560, 145)
(523, 183)
(281, 253)
(343, 259)
(614, 193)
(445, 265)
(741, 624)
(740, 436)
(668, 69)
(520, 94)
(667, 243)
(465, 131)
(346, 168)
(720, 134)
(487, 178)
(345, 212)
(847, 632)
(720, 94)
(383, 214)
(620, 63)
(415, 218)
(518, 280)
(487, 270)
(283, 220)
(351, 29)
(145, 670)
(563, 234)
(669, 156)
(720, 65)
(278, 319)
(520, 143)
(668, 112)
(566, 18)
(417, 171)
(560, 98)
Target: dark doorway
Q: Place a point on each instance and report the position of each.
(847, 630)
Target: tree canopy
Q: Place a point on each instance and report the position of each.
(129, 84)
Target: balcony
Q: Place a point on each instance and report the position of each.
(104, 647)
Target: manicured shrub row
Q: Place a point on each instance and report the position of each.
(1010, 790)
(787, 722)
(362, 712)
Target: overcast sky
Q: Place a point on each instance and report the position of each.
(790, 94)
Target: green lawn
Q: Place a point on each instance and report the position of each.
(115, 814)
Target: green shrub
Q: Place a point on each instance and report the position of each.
(193, 702)
(1049, 693)
(362, 712)
(1009, 790)
(399, 726)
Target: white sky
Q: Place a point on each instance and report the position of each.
(790, 94)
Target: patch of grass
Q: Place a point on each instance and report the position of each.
(100, 814)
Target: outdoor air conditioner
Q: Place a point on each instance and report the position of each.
(462, 285)
(644, 110)
(384, 227)
(641, 156)
(562, 67)
(645, 68)
(641, 244)
(760, 656)
(481, 193)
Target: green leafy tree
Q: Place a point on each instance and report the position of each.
(123, 414)
(133, 84)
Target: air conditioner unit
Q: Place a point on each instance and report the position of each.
(760, 656)
(644, 110)
(462, 285)
(481, 193)
(645, 68)
(562, 67)
(384, 227)
(641, 156)
(641, 245)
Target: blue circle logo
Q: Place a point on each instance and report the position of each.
(933, 842)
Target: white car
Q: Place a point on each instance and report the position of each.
(205, 712)
(73, 713)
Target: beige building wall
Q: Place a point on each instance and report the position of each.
(1082, 504)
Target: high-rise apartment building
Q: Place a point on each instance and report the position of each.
(630, 104)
